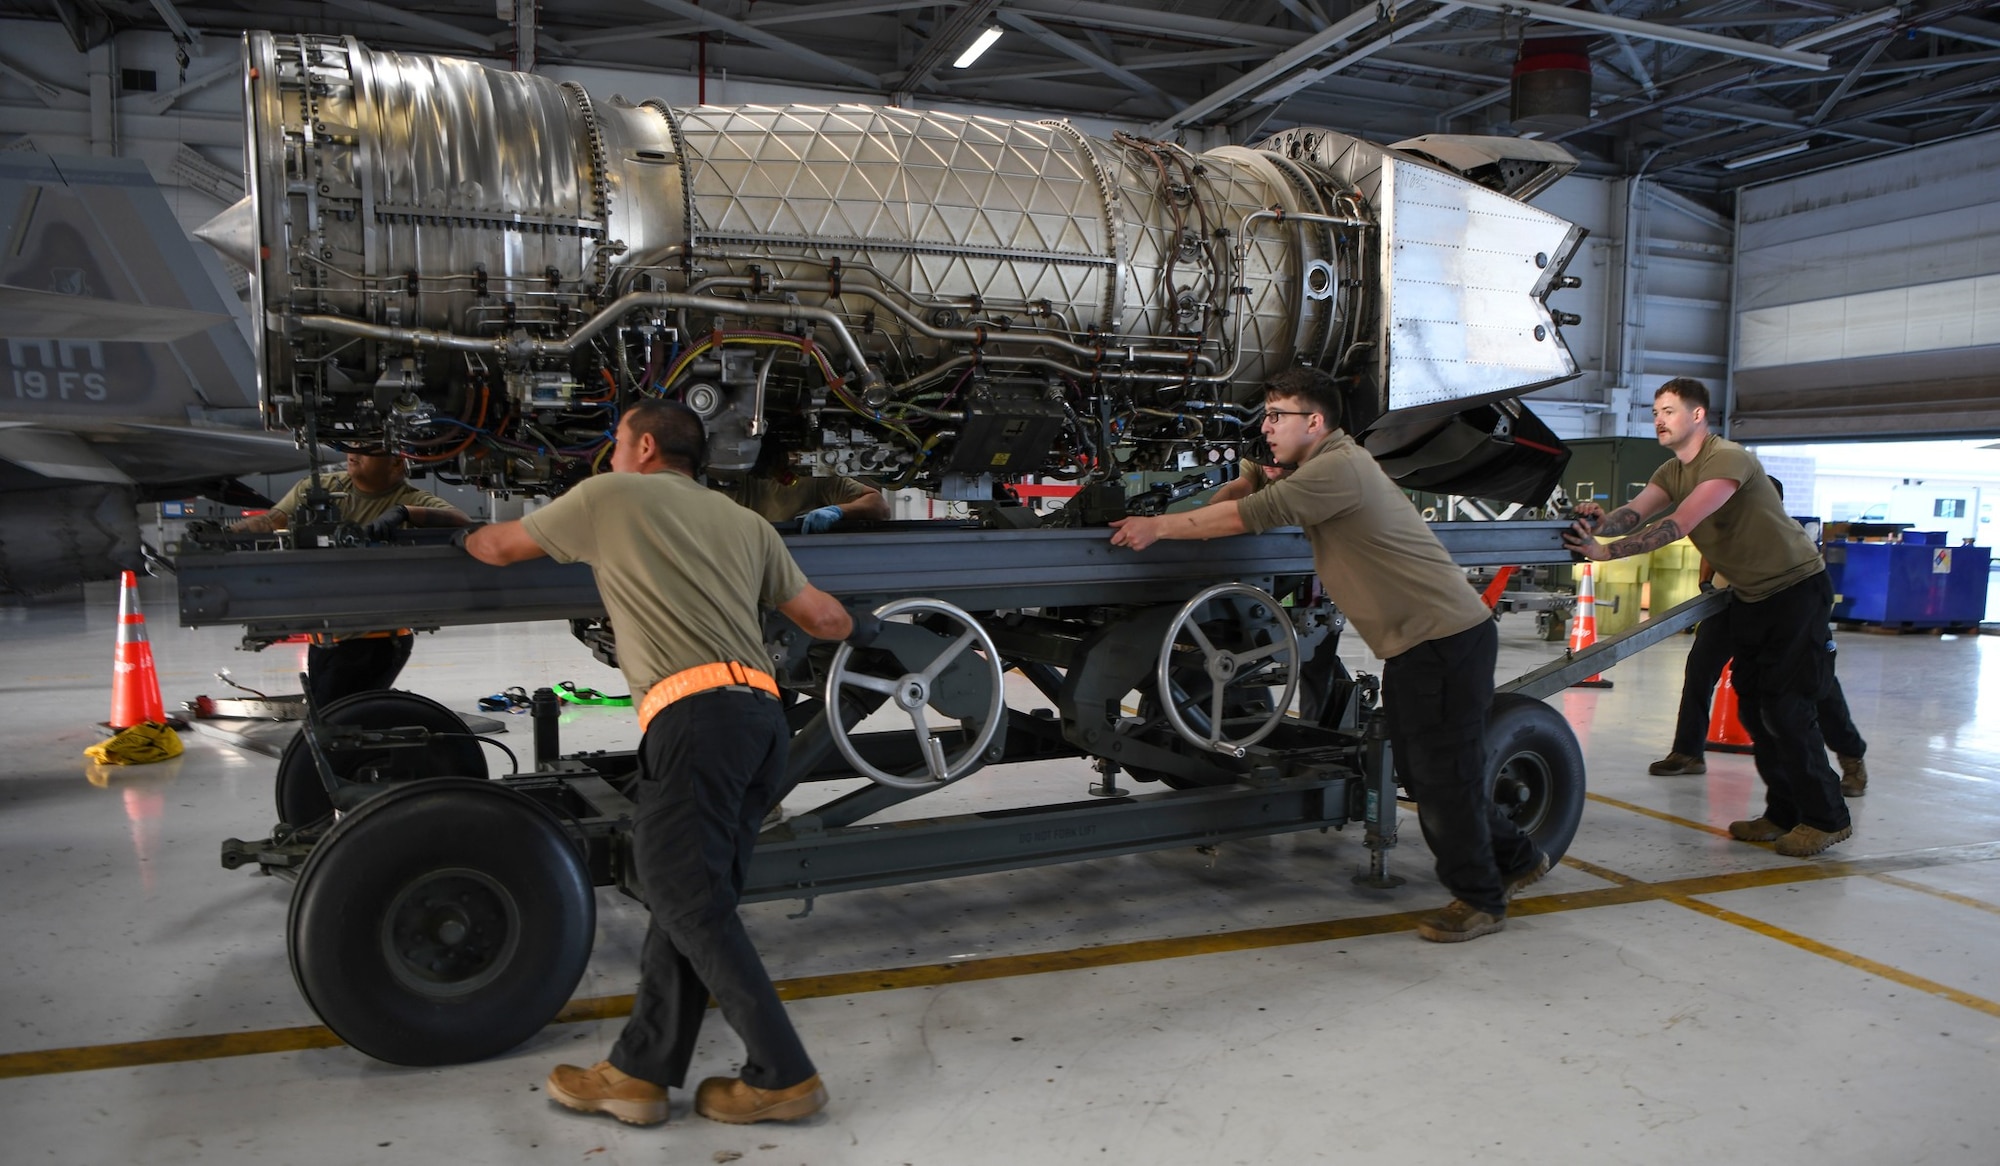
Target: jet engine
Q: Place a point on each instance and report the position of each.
(481, 268)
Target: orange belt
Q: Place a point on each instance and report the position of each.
(325, 640)
(689, 681)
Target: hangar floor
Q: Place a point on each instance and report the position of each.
(1666, 995)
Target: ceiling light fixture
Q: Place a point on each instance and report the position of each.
(978, 47)
(1770, 155)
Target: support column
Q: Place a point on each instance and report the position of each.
(104, 99)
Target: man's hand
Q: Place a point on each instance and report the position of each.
(1137, 533)
(391, 521)
(822, 520)
(867, 625)
(1580, 539)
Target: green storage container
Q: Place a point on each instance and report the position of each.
(1676, 576)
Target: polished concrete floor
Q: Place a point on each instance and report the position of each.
(1665, 996)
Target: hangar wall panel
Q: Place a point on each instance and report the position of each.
(1868, 299)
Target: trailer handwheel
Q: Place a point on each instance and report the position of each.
(1227, 668)
(936, 678)
(441, 922)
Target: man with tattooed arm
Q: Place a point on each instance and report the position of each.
(1716, 493)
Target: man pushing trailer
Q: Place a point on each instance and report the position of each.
(1387, 571)
(1776, 621)
(682, 571)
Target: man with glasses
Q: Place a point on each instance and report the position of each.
(1399, 588)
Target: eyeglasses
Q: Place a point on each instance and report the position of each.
(1270, 413)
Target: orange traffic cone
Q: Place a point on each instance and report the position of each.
(1583, 626)
(1725, 727)
(135, 686)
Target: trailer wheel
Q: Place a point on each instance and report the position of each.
(301, 796)
(441, 922)
(1534, 769)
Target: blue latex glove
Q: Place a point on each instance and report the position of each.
(820, 521)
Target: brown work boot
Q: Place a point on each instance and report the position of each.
(734, 1100)
(1458, 922)
(602, 1088)
(1756, 830)
(1803, 841)
(1676, 764)
(1526, 876)
(1853, 776)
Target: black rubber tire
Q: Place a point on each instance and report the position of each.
(301, 796)
(441, 922)
(1534, 767)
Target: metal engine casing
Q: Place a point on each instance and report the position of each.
(481, 267)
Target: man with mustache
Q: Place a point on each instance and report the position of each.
(1776, 621)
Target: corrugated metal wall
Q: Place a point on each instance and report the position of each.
(1868, 299)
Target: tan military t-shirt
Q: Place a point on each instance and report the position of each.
(1373, 552)
(357, 507)
(681, 569)
(777, 500)
(1750, 539)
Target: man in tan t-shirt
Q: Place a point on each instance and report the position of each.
(682, 571)
(374, 494)
(1399, 588)
(820, 504)
(1716, 494)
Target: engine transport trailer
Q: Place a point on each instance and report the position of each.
(444, 915)
(479, 269)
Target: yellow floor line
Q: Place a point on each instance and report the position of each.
(1949, 896)
(1683, 892)
(1626, 890)
(1690, 823)
(171, 1050)
(1860, 963)
(1605, 873)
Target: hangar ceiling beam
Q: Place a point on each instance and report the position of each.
(1147, 22)
(716, 22)
(1847, 82)
(1888, 102)
(1307, 11)
(177, 25)
(1965, 28)
(1685, 37)
(834, 10)
(1136, 64)
(1315, 75)
(437, 28)
(1278, 67)
(946, 41)
(49, 94)
(1640, 73)
(157, 103)
(1049, 38)
(1714, 79)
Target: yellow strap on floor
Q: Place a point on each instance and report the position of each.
(145, 742)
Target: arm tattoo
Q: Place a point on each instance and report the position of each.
(1623, 520)
(1666, 531)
